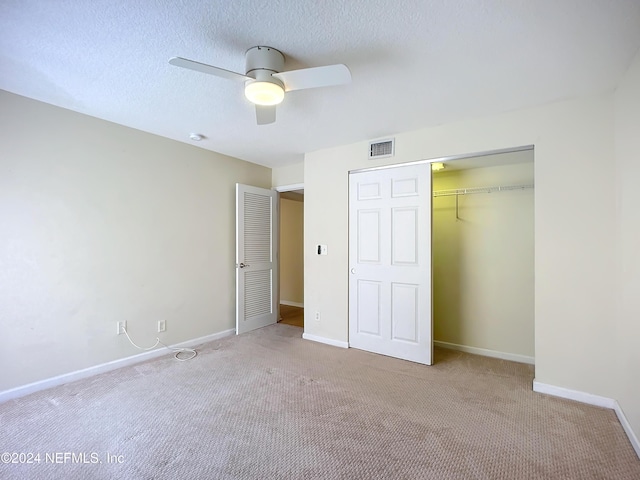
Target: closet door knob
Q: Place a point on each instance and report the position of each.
(353, 270)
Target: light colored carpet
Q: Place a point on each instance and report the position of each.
(268, 404)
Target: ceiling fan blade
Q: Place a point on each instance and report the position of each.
(330, 75)
(209, 69)
(265, 114)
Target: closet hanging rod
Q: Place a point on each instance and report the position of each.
(472, 190)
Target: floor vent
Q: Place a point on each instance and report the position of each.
(383, 148)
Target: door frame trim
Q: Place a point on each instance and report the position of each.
(289, 188)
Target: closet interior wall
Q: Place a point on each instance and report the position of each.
(483, 261)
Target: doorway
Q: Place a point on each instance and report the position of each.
(291, 257)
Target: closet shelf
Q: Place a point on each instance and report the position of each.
(469, 191)
(472, 190)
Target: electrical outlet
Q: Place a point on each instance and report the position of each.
(317, 316)
(121, 326)
(162, 326)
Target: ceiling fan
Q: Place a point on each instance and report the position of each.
(266, 83)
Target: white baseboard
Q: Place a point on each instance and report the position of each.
(106, 367)
(513, 357)
(328, 341)
(591, 399)
(291, 304)
(576, 395)
(635, 443)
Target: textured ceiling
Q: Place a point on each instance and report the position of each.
(414, 63)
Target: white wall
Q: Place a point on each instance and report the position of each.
(291, 252)
(100, 223)
(483, 272)
(574, 224)
(627, 246)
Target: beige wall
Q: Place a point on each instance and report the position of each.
(574, 223)
(291, 252)
(483, 260)
(101, 223)
(627, 247)
(288, 175)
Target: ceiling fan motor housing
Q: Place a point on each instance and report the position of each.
(261, 62)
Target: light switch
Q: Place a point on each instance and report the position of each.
(322, 249)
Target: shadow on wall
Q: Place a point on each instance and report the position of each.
(447, 278)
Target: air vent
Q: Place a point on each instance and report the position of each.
(380, 149)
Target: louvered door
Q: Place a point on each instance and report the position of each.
(256, 263)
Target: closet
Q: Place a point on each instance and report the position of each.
(483, 256)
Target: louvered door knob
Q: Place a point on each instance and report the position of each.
(242, 265)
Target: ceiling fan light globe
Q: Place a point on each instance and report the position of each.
(264, 93)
